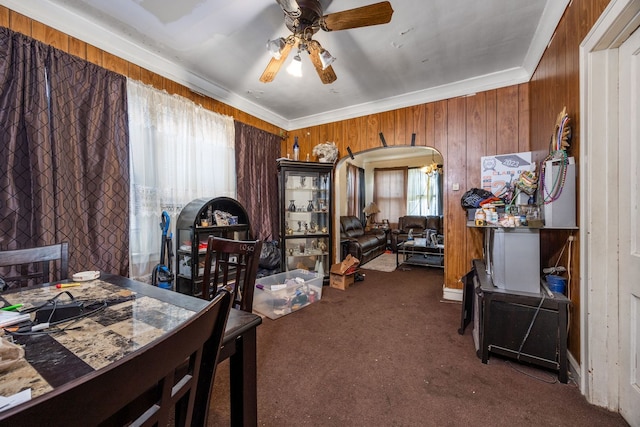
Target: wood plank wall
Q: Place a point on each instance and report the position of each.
(39, 31)
(461, 129)
(511, 119)
(554, 85)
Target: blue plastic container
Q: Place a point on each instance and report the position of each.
(556, 283)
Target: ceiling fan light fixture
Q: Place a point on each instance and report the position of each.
(326, 59)
(295, 67)
(275, 46)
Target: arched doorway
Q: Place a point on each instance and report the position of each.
(381, 157)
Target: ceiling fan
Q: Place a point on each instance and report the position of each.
(305, 18)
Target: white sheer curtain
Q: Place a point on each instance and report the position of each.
(416, 192)
(179, 151)
(423, 193)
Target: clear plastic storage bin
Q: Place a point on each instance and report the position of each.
(284, 293)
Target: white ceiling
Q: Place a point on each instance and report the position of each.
(431, 49)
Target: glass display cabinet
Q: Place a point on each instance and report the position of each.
(199, 219)
(305, 215)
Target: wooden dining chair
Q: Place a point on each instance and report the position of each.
(231, 264)
(168, 379)
(32, 266)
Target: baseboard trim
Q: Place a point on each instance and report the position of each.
(451, 294)
(574, 371)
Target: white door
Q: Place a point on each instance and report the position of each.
(629, 222)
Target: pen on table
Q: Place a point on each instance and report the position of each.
(11, 307)
(67, 285)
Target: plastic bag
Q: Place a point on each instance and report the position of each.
(270, 255)
(474, 197)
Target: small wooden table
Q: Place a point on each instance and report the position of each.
(136, 314)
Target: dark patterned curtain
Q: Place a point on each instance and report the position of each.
(355, 191)
(63, 124)
(256, 154)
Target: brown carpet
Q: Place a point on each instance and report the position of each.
(386, 352)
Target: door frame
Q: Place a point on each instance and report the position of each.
(599, 281)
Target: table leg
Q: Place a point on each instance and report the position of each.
(243, 378)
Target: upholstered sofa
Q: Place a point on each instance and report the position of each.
(364, 245)
(419, 225)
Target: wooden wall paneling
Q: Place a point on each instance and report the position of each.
(287, 144)
(135, 72)
(343, 139)
(552, 107)
(415, 119)
(340, 137)
(458, 259)
(373, 131)
(79, 48)
(4, 16)
(338, 133)
(429, 125)
(115, 63)
(325, 135)
(476, 148)
(573, 76)
(49, 36)
(362, 138)
(572, 83)
(523, 118)
(440, 129)
(507, 120)
(400, 130)
(94, 55)
(307, 139)
(386, 126)
(554, 84)
(562, 87)
(355, 132)
(312, 138)
(492, 123)
(20, 23)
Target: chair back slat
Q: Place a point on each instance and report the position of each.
(233, 265)
(25, 267)
(168, 378)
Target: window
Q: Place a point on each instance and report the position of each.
(390, 192)
(424, 193)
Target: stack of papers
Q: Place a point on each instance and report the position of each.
(8, 318)
(14, 400)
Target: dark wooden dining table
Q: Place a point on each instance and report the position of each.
(133, 314)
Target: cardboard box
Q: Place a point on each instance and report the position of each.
(347, 266)
(341, 281)
(283, 293)
(342, 274)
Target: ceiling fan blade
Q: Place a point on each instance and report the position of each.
(290, 7)
(327, 75)
(374, 14)
(274, 65)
